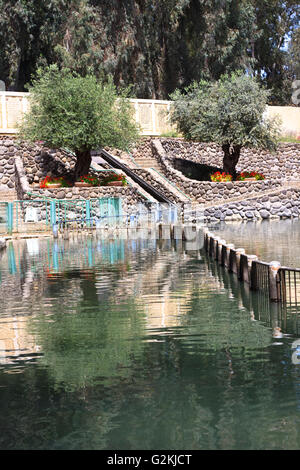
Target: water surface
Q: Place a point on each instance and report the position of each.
(140, 345)
(270, 240)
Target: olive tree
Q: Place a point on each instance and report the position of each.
(229, 112)
(78, 113)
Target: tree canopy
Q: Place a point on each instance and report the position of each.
(157, 46)
(80, 113)
(229, 112)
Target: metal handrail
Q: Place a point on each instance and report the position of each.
(146, 186)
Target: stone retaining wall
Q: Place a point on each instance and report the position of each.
(7, 162)
(129, 194)
(281, 204)
(282, 164)
(157, 185)
(207, 191)
(38, 161)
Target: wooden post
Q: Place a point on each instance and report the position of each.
(274, 266)
(220, 246)
(244, 268)
(229, 247)
(251, 258)
(232, 262)
(239, 252)
(216, 242)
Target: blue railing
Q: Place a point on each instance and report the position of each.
(44, 214)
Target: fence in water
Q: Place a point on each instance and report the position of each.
(44, 215)
(280, 283)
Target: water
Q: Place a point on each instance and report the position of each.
(140, 345)
(274, 240)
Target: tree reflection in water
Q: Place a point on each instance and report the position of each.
(140, 346)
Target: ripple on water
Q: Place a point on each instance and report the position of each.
(132, 346)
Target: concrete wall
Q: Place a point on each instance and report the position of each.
(151, 115)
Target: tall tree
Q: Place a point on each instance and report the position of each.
(157, 46)
(27, 31)
(276, 22)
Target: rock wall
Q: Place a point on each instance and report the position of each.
(151, 180)
(7, 162)
(38, 161)
(282, 164)
(284, 203)
(207, 191)
(130, 196)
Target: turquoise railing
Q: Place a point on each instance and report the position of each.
(45, 213)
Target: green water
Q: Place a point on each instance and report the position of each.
(140, 345)
(270, 240)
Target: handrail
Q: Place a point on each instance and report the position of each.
(146, 186)
(280, 281)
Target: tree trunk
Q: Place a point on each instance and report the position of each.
(83, 164)
(230, 159)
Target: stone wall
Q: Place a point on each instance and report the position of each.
(280, 204)
(143, 149)
(38, 161)
(282, 164)
(130, 196)
(207, 191)
(7, 162)
(145, 175)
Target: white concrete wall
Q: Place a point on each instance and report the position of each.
(151, 115)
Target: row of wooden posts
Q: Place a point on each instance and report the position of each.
(249, 269)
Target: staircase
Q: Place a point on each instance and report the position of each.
(148, 162)
(8, 195)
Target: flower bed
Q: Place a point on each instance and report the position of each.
(112, 178)
(220, 177)
(109, 179)
(56, 182)
(253, 175)
(243, 176)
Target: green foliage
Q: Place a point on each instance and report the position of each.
(292, 140)
(77, 47)
(157, 46)
(276, 23)
(80, 113)
(228, 111)
(28, 31)
(170, 134)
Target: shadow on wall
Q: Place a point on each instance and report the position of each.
(195, 171)
(46, 161)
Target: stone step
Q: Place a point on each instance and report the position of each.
(148, 163)
(8, 196)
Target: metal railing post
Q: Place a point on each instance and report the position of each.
(52, 213)
(10, 217)
(88, 213)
